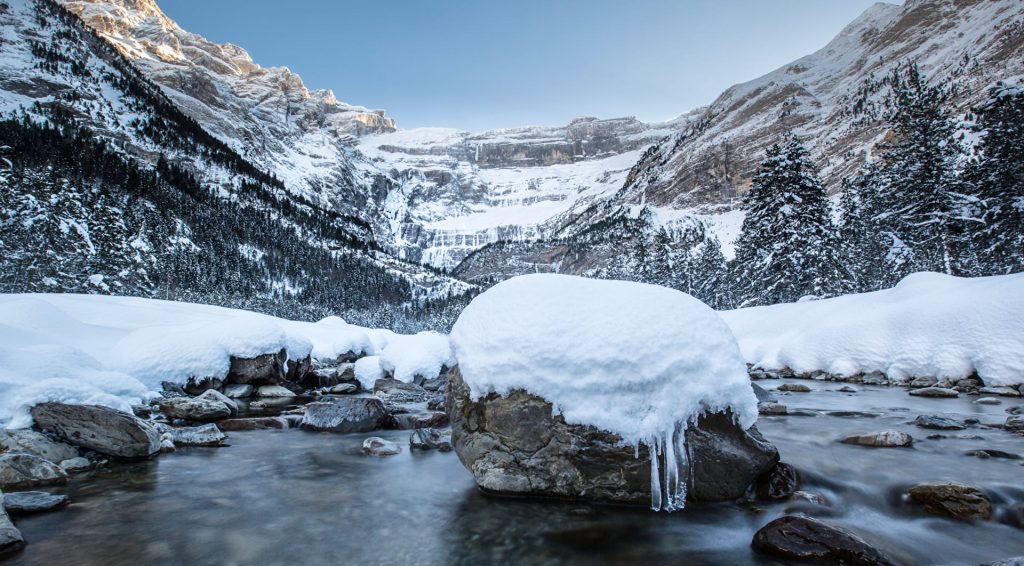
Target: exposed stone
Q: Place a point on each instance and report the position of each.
(884, 439)
(345, 414)
(274, 391)
(436, 403)
(194, 409)
(167, 443)
(874, 378)
(1018, 410)
(769, 409)
(937, 392)
(11, 540)
(76, 465)
(197, 385)
(172, 389)
(847, 389)
(376, 446)
(396, 391)
(255, 423)
(431, 439)
(343, 389)
(988, 401)
(266, 369)
(780, 482)
(1002, 391)
(922, 382)
(762, 394)
(238, 390)
(794, 388)
(1014, 423)
(203, 435)
(28, 502)
(19, 470)
(105, 430)
(952, 500)
(214, 395)
(33, 442)
(803, 539)
(939, 422)
(298, 370)
(515, 445)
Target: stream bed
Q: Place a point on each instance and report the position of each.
(291, 496)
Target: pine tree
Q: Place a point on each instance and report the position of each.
(661, 270)
(997, 177)
(925, 214)
(864, 237)
(787, 246)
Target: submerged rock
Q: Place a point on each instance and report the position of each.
(884, 439)
(105, 430)
(515, 445)
(1014, 423)
(803, 539)
(376, 446)
(939, 422)
(986, 453)
(937, 392)
(11, 540)
(953, 500)
(194, 409)
(19, 471)
(344, 414)
(253, 423)
(27, 502)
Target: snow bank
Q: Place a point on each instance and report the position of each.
(927, 325)
(115, 351)
(638, 360)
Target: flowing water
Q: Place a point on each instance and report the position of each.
(287, 497)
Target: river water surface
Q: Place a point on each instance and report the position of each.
(296, 497)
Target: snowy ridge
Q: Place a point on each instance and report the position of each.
(929, 325)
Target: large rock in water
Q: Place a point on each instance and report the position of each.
(105, 430)
(11, 540)
(20, 471)
(515, 445)
(345, 414)
(803, 539)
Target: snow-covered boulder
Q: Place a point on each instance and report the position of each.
(602, 390)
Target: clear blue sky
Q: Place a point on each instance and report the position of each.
(484, 64)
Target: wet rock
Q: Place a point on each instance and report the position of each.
(852, 414)
(254, 423)
(196, 386)
(214, 395)
(19, 470)
(32, 442)
(1002, 391)
(102, 429)
(811, 497)
(762, 394)
(847, 389)
(988, 401)
(803, 539)
(939, 422)
(407, 421)
(436, 403)
(780, 482)
(376, 446)
(342, 389)
(922, 382)
(936, 392)
(986, 453)
(167, 443)
(515, 445)
(1018, 410)
(345, 414)
(274, 391)
(11, 540)
(1014, 423)
(204, 435)
(266, 369)
(298, 370)
(396, 391)
(194, 409)
(770, 409)
(763, 374)
(239, 390)
(953, 500)
(1013, 516)
(794, 388)
(884, 439)
(28, 502)
(430, 439)
(76, 465)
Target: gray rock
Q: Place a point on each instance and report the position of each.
(1014, 423)
(11, 541)
(874, 378)
(376, 446)
(342, 389)
(937, 392)
(395, 391)
(344, 414)
(346, 373)
(28, 502)
(214, 395)
(75, 465)
(953, 500)
(794, 388)
(33, 442)
(194, 409)
(988, 401)
(238, 390)
(198, 385)
(884, 439)
(299, 370)
(429, 419)
(203, 435)
(939, 422)
(1018, 410)
(274, 391)
(266, 369)
(254, 423)
(770, 409)
(515, 445)
(102, 429)
(431, 439)
(762, 394)
(922, 382)
(1002, 391)
(19, 470)
(847, 389)
(803, 539)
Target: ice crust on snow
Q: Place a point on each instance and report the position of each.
(929, 324)
(115, 351)
(637, 360)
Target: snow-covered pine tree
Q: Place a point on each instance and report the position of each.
(997, 178)
(662, 268)
(788, 247)
(864, 237)
(925, 213)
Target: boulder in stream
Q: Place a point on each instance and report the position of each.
(376, 446)
(11, 540)
(803, 539)
(953, 500)
(884, 439)
(36, 443)
(935, 392)
(19, 470)
(195, 409)
(105, 430)
(28, 502)
(344, 414)
(939, 422)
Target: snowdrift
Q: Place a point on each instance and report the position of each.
(929, 324)
(115, 351)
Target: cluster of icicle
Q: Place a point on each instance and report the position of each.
(670, 469)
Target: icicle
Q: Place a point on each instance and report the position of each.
(670, 470)
(684, 465)
(671, 473)
(655, 480)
